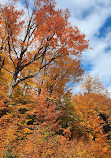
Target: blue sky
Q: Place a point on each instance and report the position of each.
(93, 18)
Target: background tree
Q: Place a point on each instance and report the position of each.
(93, 111)
(92, 85)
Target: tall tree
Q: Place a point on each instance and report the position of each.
(44, 37)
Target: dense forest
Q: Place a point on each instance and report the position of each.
(40, 58)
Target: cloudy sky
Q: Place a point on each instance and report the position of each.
(93, 18)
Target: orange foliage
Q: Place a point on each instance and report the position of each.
(89, 108)
(37, 116)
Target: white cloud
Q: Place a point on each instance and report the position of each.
(90, 17)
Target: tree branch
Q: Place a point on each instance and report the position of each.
(40, 68)
(34, 59)
(8, 71)
(9, 51)
(1, 63)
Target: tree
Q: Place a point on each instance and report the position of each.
(92, 109)
(94, 88)
(47, 36)
(92, 85)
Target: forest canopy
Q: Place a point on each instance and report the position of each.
(40, 55)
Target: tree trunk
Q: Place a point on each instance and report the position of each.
(10, 90)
